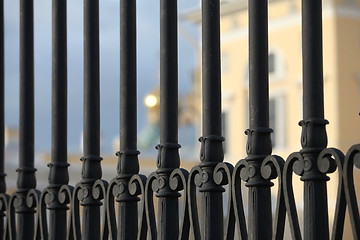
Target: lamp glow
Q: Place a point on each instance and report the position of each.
(151, 101)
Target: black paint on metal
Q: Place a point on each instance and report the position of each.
(26, 210)
(58, 174)
(26, 171)
(211, 142)
(259, 141)
(91, 169)
(168, 155)
(128, 163)
(2, 116)
(313, 138)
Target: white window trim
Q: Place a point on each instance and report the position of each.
(227, 104)
(279, 73)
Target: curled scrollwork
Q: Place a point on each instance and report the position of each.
(75, 211)
(65, 197)
(4, 203)
(193, 181)
(272, 168)
(36, 199)
(99, 191)
(328, 161)
(352, 158)
(65, 194)
(240, 172)
(295, 162)
(137, 187)
(11, 217)
(151, 187)
(222, 176)
(109, 208)
(178, 180)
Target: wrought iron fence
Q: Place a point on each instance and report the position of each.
(124, 207)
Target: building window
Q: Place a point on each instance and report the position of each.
(277, 121)
(276, 66)
(272, 63)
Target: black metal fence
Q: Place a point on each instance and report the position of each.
(124, 207)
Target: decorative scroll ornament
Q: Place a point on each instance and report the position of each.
(352, 159)
(211, 148)
(65, 196)
(272, 168)
(137, 187)
(238, 175)
(99, 190)
(294, 162)
(258, 141)
(313, 133)
(178, 182)
(223, 175)
(193, 181)
(329, 160)
(4, 207)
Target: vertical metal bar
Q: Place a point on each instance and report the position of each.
(314, 138)
(168, 71)
(58, 175)
(168, 160)
(91, 78)
(91, 138)
(259, 142)
(128, 97)
(313, 97)
(211, 88)
(128, 163)
(2, 114)
(258, 59)
(26, 171)
(212, 151)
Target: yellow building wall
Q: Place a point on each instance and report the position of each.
(285, 41)
(341, 75)
(348, 52)
(341, 55)
(348, 86)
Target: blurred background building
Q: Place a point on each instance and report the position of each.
(341, 54)
(341, 51)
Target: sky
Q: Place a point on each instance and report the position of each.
(147, 63)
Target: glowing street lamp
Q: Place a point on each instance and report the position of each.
(151, 101)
